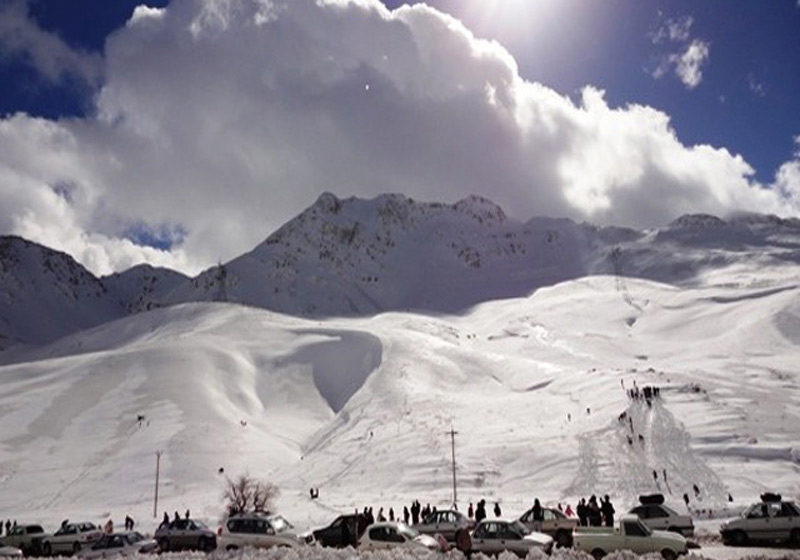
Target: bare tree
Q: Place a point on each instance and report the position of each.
(247, 494)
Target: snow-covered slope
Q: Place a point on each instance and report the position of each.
(361, 407)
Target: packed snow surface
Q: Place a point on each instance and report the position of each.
(361, 407)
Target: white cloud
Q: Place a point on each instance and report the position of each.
(687, 62)
(46, 52)
(688, 65)
(224, 119)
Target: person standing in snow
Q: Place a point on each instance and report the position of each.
(406, 514)
(582, 513)
(538, 515)
(595, 515)
(568, 512)
(470, 511)
(480, 511)
(497, 512)
(608, 512)
(415, 511)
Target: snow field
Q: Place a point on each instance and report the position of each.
(361, 408)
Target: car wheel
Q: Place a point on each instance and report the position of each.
(76, 547)
(564, 539)
(205, 544)
(738, 538)
(163, 545)
(598, 553)
(668, 554)
(47, 549)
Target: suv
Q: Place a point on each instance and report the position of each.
(343, 531)
(259, 530)
(768, 520)
(185, 534)
(27, 538)
(71, 537)
(659, 517)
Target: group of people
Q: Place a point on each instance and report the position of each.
(165, 521)
(594, 514)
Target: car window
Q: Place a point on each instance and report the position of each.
(35, 529)
(633, 529)
(393, 536)
(378, 534)
(654, 512)
(548, 515)
(279, 523)
(133, 538)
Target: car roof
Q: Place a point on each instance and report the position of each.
(393, 524)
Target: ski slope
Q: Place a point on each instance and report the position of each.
(361, 407)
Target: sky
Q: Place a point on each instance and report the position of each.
(182, 133)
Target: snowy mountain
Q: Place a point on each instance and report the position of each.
(524, 338)
(45, 294)
(359, 257)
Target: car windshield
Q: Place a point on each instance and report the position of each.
(133, 538)
(519, 527)
(199, 524)
(280, 524)
(408, 532)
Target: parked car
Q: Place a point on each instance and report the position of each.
(768, 521)
(493, 536)
(340, 533)
(445, 523)
(392, 534)
(629, 533)
(10, 552)
(26, 537)
(659, 517)
(185, 534)
(120, 544)
(555, 524)
(259, 530)
(71, 538)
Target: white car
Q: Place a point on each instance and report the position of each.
(770, 521)
(445, 523)
(493, 536)
(258, 530)
(392, 534)
(120, 544)
(71, 538)
(10, 552)
(662, 518)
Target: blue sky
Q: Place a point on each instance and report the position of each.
(613, 111)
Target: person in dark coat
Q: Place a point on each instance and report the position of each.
(538, 515)
(497, 511)
(470, 511)
(583, 514)
(406, 515)
(480, 511)
(608, 512)
(595, 515)
(415, 511)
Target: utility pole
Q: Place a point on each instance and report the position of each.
(158, 468)
(453, 433)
